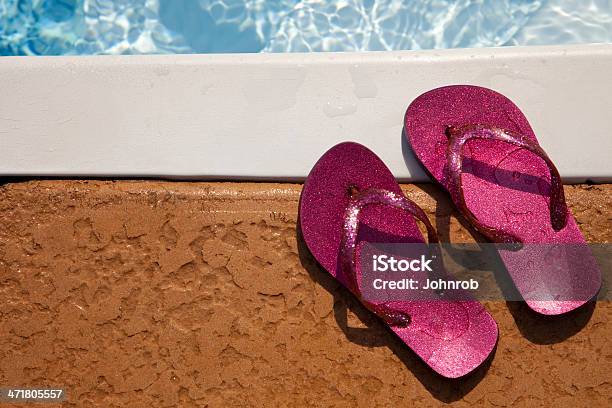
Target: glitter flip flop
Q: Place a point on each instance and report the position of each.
(350, 198)
(480, 147)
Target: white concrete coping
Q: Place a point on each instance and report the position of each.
(270, 116)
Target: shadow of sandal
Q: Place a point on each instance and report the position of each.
(542, 329)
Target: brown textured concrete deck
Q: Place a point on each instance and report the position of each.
(148, 294)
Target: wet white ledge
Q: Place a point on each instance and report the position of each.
(270, 116)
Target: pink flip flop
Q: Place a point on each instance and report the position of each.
(480, 147)
(349, 199)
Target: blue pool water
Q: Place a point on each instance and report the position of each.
(56, 27)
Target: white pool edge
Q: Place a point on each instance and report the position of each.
(270, 116)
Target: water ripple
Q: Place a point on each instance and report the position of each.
(54, 27)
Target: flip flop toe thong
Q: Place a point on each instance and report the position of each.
(349, 199)
(480, 147)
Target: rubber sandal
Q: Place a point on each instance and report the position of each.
(350, 198)
(480, 147)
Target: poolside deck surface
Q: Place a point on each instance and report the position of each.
(156, 294)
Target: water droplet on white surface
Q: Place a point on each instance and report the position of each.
(333, 110)
(363, 83)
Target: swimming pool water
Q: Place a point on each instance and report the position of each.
(57, 27)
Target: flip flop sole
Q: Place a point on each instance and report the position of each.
(453, 338)
(508, 188)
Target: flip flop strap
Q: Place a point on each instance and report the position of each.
(459, 136)
(348, 244)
